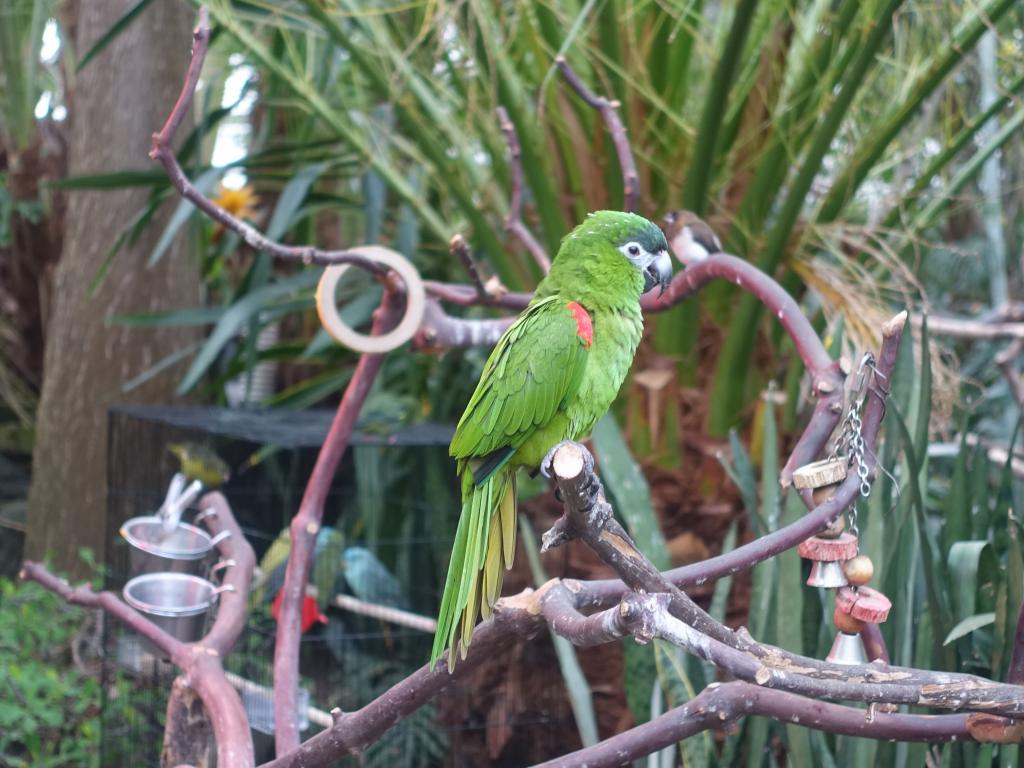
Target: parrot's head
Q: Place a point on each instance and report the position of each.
(355, 557)
(616, 254)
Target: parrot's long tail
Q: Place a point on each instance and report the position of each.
(486, 538)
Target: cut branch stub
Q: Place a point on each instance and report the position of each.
(821, 478)
(568, 461)
(842, 547)
(863, 603)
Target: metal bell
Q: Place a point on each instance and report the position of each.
(847, 649)
(827, 574)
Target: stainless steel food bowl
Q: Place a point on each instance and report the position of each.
(186, 549)
(178, 603)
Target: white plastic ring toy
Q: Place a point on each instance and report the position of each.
(415, 303)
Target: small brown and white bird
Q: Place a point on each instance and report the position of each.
(691, 238)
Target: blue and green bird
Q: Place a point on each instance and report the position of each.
(552, 375)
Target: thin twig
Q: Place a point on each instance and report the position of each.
(163, 152)
(459, 248)
(1007, 363)
(616, 129)
(972, 328)
(514, 221)
(466, 296)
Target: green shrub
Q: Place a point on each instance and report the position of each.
(49, 709)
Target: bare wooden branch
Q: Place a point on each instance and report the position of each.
(459, 248)
(354, 731)
(201, 661)
(514, 224)
(721, 704)
(163, 152)
(304, 529)
(971, 328)
(613, 123)
(1007, 362)
(187, 735)
(657, 608)
(827, 376)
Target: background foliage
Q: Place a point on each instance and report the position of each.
(848, 148)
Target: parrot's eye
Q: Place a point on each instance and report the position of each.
(634, 250)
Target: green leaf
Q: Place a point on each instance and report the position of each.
(679, 688)
(173, 318)
(698, 179)
(720, 596)
(788, 615)
(235, 317)
(311, 391)
(108, 37)
(936, 608)
(291, 198)
(972, 568)
(968, 625)
(115, 180)
(160, 366)
(741, 472)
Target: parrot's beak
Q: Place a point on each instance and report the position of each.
(658, 272)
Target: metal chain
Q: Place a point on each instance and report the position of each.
(857, 445)
(851, 441)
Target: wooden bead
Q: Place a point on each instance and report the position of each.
(823, 494)
(859, 570)
(835, 529)
(846, 623)
(842, 547)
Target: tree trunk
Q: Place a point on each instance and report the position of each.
(120, 99)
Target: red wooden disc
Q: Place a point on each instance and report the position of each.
(863, 603)
(816, 548)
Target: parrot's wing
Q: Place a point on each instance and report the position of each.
(383, 588)
(274, 558)
(536, 366)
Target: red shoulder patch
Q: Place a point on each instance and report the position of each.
(584, 326)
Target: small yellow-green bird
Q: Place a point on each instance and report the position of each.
(552, 375)
(200, 462)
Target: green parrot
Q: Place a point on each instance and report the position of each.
(325, 573)
(552, 375)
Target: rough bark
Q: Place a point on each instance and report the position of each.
(188, 735)
(121, 97)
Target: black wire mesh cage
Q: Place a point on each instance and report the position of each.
(374, 588)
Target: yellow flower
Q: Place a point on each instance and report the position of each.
(240, 203)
